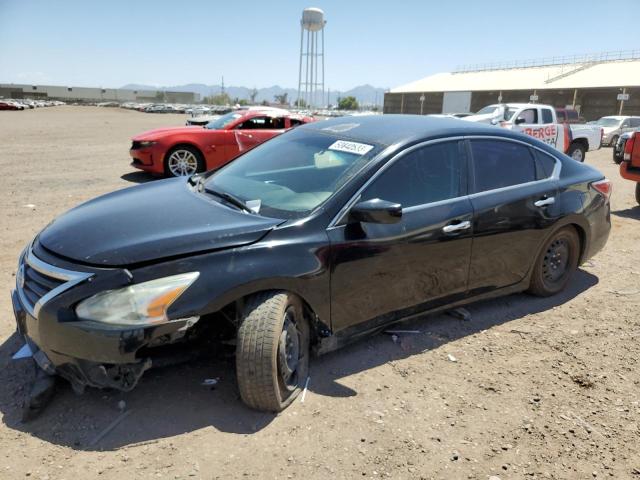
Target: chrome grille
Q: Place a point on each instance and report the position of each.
(38, 282)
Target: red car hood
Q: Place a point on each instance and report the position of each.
(161, 132)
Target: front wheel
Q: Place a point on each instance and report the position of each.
(183, 161)
(272, 356)
(614, 141)
(577, 152)
(556, 263)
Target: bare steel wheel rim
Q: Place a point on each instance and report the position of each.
(182, 163)
(289, 351)
(556, 260)
(577, 155)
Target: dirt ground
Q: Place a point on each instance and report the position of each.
(540, 388)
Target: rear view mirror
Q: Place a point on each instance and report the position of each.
(520, 121)
(376, 211)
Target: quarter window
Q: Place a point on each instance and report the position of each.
(544, 164)
(499, 164)
(426, 175)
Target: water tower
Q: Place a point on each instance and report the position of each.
(311, 71)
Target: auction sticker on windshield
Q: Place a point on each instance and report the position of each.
(350, 147)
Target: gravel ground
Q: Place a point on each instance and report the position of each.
(540, 388)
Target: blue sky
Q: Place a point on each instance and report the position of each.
(256, 43)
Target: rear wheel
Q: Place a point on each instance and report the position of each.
(556, 263)
(183, 161)
(577, 151)
(638, 193)
(272, 356)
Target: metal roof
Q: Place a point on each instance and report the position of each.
(578, 75)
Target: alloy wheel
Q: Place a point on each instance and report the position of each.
(182, 163)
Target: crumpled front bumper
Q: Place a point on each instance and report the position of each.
(89, 355)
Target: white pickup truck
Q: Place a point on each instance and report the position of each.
(541, 122)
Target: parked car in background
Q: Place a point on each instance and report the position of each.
(541, 122)
(618, 148)
(630, 165)
(309, 241)
(9, 105)
(615, 125)
(180, 151)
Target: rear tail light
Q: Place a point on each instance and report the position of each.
(603, 187)
(628, 148)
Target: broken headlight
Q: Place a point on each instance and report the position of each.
(140, 304)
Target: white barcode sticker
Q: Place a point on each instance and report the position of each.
(351, 147)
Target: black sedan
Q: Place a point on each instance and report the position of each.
(310, 240)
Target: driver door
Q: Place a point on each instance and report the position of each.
(382, 272)
(256, 130)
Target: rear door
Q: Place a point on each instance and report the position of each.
(514, 187)
(388, 271)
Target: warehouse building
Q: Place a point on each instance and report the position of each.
(90, 95)
(596, 85)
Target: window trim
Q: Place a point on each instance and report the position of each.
(335, 221)
(470, 183)
(555, 174)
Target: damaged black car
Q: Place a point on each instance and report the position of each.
(313, 239)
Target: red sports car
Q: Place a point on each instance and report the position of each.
(180, 151)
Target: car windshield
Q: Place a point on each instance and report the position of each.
(608, 122)
(223, 121)
(487, 110)
(292, 174)
(509, 113)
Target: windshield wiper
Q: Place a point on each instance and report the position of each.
(230, 198)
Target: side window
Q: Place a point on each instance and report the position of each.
(253, 123)
(572, 114)
(626, 123)
(294, 122)
(498, 163)
(544, 164)
(276, 123)
(530, 115)
(635, 122)
(426, 175)
(547, 116)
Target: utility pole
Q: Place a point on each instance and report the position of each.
(222, 87)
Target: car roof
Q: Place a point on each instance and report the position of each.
(398, 129)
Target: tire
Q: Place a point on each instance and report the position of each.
(183, 160)
(267, 380)
(638, 193)
(577, 151)
(613, 141)
(546, 279)
(617, 158)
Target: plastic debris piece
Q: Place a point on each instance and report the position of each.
(452, 358)
(304, 392)
(394, 338)
(210, 382)
(24, 352)
(122, 405)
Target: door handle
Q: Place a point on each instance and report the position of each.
(545, 201)
(456, 227)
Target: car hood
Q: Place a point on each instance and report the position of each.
(160, 132)
(150, 222)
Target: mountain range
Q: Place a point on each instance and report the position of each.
(364, 94)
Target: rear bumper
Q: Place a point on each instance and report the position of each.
(629, 172)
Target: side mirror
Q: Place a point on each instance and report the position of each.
(376, 211)
(520, 121)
